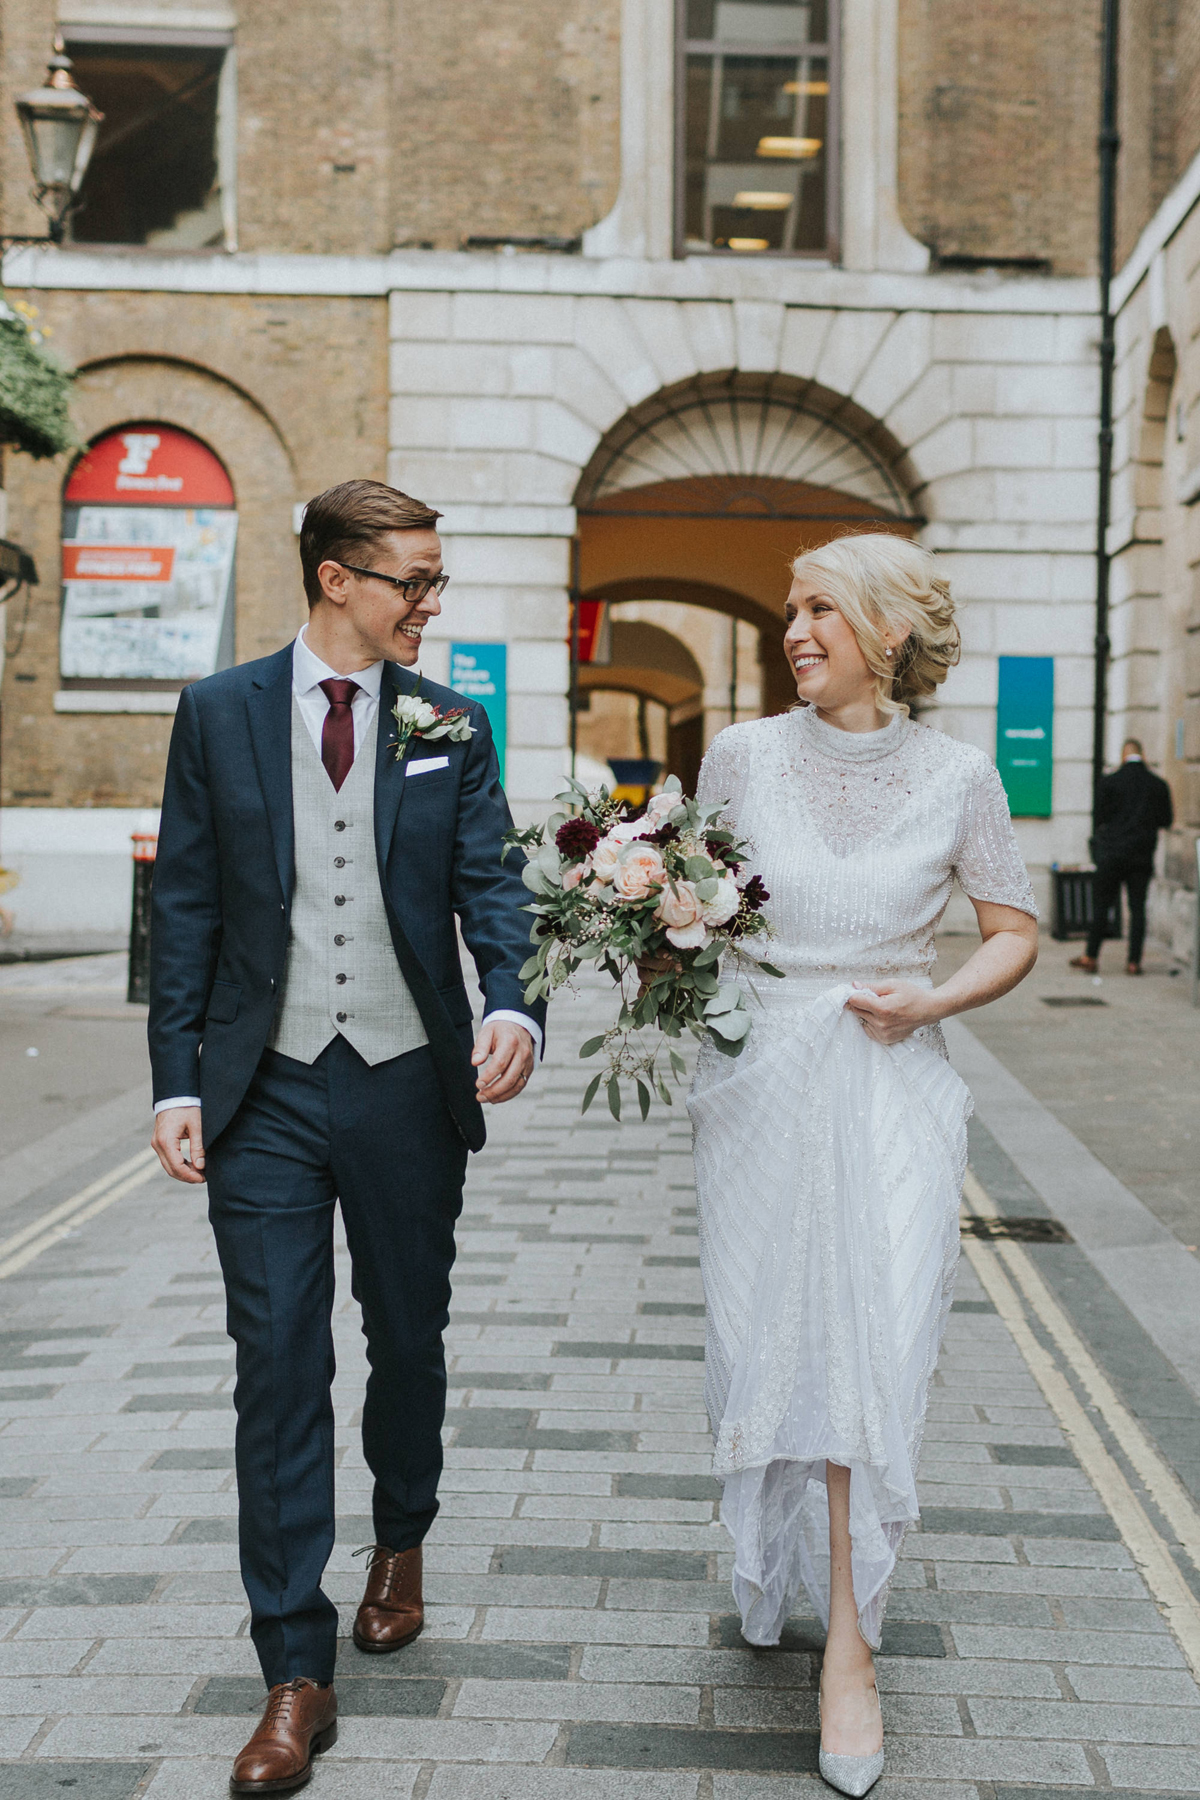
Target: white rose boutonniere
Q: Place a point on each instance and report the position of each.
(416, 717)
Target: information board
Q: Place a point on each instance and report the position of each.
(480, 672)
(1025, 734)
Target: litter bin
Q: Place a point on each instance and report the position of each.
(1074, 905)
(145, 848)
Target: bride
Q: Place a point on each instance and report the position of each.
(830, 1156)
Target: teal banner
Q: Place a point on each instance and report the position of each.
(1025, 734)
(480, 672)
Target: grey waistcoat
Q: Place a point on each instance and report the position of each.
(341, 973)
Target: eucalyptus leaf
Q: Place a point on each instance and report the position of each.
(643, 1094)
(614, 1097)
(770, 969)
(677, 1063)
(590, 1091)
(591, 1047)
(708, 890)
(534, 880)
(732, 1026)
(664, 1092)
(698, 868)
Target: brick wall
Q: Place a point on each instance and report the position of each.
(290, 393)
(998, 110)
(506, 118)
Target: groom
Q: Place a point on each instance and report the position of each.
(310, 1036)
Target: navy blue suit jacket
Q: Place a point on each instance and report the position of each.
(224, 877)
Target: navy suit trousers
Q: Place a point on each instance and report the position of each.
(383, 1142)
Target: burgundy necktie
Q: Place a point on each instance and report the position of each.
(337, 733)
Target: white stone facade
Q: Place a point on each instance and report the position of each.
(501, 392)
(1155, 534)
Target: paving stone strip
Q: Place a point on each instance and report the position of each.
(581, 1642)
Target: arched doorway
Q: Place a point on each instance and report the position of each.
(645, 697)
(700, 498)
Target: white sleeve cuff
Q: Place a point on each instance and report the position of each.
(178, 1100)
(518, 1018)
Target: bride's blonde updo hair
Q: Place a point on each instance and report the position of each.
(881, 583)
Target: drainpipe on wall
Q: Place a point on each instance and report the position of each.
(1110, 142)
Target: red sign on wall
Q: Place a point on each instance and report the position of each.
(149, 465)
(118, 562)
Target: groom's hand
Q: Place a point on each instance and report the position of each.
(503, 1055)
(174, 1127)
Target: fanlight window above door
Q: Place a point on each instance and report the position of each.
(757, 436)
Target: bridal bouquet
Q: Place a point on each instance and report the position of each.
(662, 896)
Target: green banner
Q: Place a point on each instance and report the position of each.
(1025, 734)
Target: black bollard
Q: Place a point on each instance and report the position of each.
(145, 847)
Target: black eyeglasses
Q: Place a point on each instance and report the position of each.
(414, 587)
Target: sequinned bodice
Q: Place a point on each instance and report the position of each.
(859, 836)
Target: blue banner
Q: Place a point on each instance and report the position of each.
(480, 672)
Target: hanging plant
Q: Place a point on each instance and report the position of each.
(34, 387)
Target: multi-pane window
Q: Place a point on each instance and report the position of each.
(757, 138)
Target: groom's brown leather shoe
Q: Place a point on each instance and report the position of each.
(298, 1722)
(392, 1611)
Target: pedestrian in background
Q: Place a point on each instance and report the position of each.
(1132, 807)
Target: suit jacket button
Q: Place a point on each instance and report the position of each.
(339, 899)
(341, 1018)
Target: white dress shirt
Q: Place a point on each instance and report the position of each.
(308, 672)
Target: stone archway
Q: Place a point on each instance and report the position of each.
(706, 491)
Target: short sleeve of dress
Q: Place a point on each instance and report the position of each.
(988, 863)
(723, 774)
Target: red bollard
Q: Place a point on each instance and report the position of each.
(145, 848)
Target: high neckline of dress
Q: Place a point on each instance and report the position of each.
(851, 746)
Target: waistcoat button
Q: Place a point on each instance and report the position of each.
(339, 899)
(339, 862)
(339, 940)
(341, 1018)
(341, 980)
(339, 824)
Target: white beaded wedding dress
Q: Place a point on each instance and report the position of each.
(828, 1166)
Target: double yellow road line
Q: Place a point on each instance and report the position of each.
(1017, 1291)
(23, 1246)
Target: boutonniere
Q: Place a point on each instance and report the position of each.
(418, 718)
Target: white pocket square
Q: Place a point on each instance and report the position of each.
(424, 764)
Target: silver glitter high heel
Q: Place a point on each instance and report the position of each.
(853, 1775)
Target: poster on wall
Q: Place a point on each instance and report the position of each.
(480, 671)
(149, 535)
(145, 592)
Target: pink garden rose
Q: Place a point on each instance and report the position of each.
(604, 858)
(574, 873)
(639, 868)
(682, 912)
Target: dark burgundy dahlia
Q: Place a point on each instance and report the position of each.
(576, 839)
(755, 894)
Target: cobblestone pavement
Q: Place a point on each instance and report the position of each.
(581, 1642)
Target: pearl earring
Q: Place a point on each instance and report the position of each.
(889, 651)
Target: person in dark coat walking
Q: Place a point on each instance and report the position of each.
(1133, 806)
